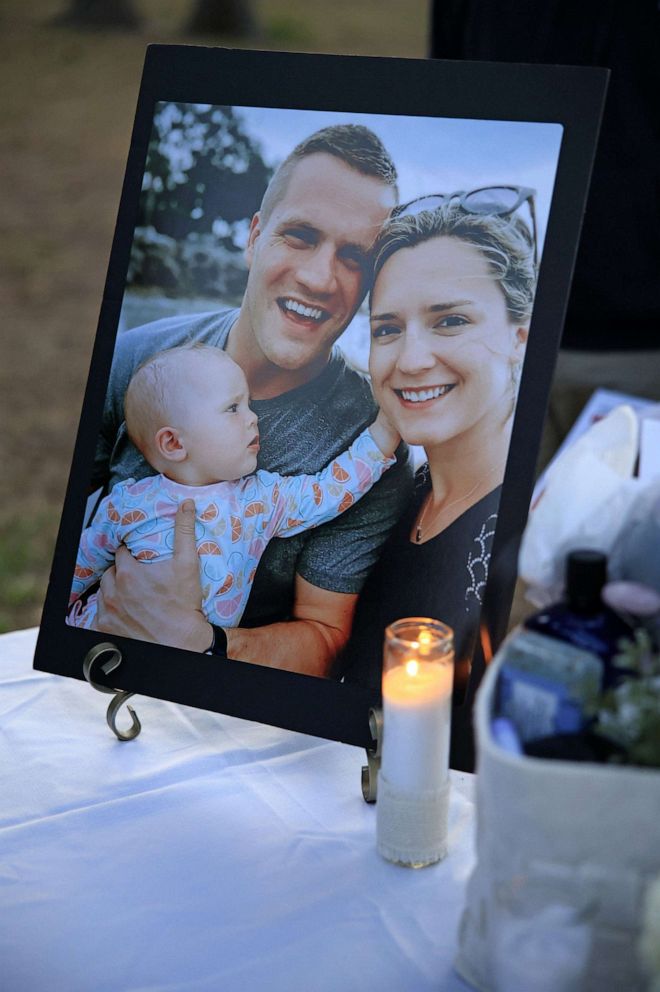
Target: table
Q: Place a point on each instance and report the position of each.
(209, 854)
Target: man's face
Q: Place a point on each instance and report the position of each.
(307, 261)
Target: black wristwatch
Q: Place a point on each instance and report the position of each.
(219, 642)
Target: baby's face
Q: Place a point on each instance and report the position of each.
(217, 427)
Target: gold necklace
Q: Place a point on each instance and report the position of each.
(447, 506)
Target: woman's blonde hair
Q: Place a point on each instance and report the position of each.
(505, 243)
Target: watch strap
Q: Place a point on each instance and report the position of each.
(219, 642)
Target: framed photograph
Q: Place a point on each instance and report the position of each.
(332, 310)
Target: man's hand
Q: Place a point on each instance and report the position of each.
(159, 602)
(162, 602)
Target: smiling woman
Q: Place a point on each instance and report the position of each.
(450, 311)
(443, 352)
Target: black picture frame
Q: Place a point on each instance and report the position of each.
(571, 97)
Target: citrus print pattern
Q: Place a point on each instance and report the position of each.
(234, 523)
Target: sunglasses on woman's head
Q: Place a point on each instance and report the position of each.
(499, 200)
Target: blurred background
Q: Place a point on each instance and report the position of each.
(69, 75)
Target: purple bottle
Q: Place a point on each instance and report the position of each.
(582, 619)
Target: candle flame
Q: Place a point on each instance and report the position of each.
(412, 667)
(425, 642)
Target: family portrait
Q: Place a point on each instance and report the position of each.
(314, 382)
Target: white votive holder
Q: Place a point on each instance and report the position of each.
(413, 782)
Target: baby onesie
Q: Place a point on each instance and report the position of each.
(234, 523)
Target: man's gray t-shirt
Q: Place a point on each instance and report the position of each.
(300, 432)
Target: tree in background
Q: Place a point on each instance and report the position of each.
(204, 179)
(230, 17)
(204, 172)
(99, 14)
(234, 18)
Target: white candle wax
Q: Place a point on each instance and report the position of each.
(416, 722)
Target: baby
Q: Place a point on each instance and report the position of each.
(187, 410)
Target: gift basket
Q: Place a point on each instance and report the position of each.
(565, 895)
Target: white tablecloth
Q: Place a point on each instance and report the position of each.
(208, 854)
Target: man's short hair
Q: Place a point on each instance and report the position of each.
(353, 144)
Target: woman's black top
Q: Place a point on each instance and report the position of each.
(443, 578)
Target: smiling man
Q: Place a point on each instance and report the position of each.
(308, 257)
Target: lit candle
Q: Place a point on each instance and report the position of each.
(417, 689)
(416, 719)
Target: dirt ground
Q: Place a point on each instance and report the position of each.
(68, 104)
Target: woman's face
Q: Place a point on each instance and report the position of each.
(442, 345)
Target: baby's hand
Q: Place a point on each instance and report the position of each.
(385, 435)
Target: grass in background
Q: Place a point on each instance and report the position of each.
(26, 545)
